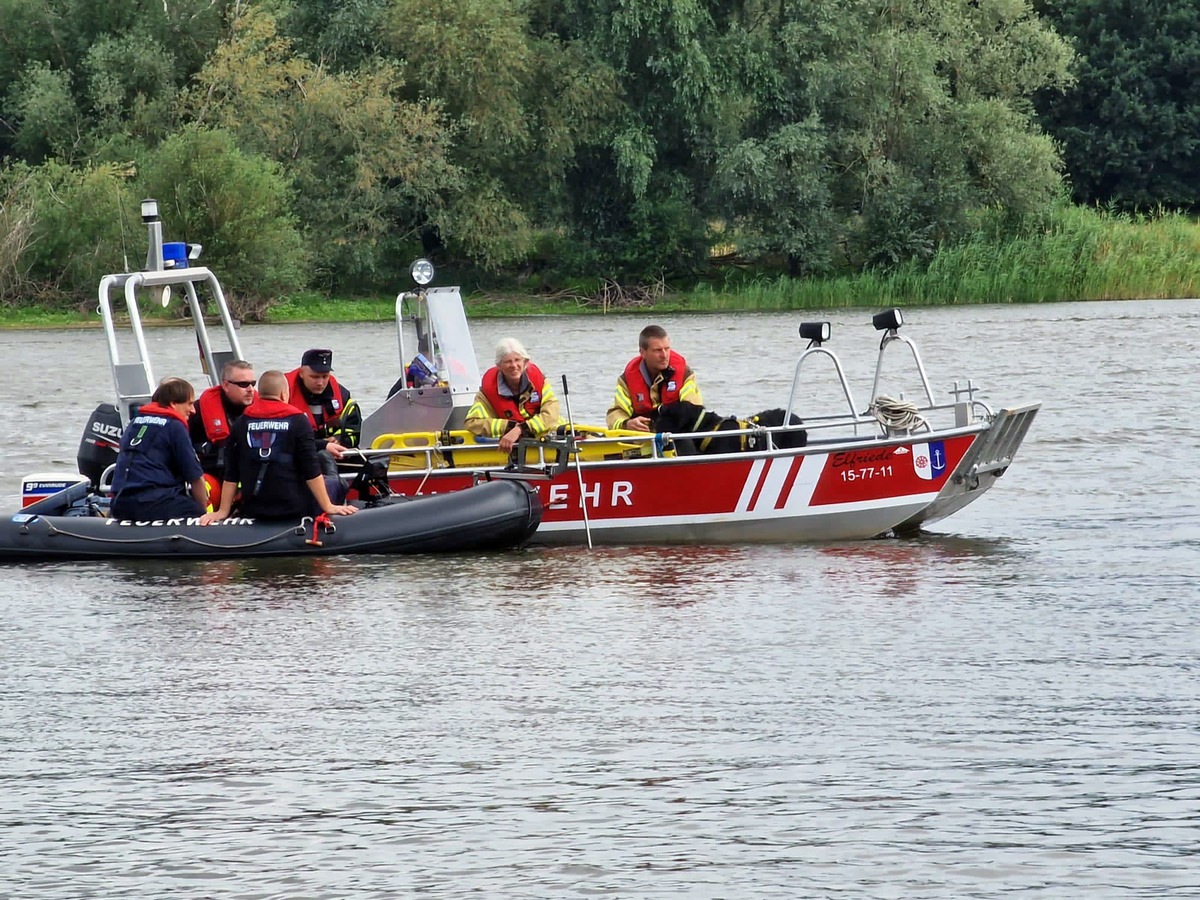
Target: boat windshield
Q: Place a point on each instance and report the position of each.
(454, 352)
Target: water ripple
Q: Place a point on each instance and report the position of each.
(1003, 706)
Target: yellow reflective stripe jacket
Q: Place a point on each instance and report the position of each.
(622, 406)
(482, 421)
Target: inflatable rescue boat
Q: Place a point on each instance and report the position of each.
(491, 515)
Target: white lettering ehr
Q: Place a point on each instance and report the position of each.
(621, 495)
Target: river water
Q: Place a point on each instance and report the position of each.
(1006, 705)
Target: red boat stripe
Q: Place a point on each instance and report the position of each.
(788, 482)
(762, 480)
(743, 502)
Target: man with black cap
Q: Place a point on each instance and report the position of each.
(335, 417)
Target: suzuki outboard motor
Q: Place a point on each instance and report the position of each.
(101, 440)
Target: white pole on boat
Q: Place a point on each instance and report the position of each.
(587, 528)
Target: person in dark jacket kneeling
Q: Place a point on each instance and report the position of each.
(156, 460)
(272, 457)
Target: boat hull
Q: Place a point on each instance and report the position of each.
(489, 516)
(837, 491)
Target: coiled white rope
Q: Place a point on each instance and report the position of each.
(896, 415)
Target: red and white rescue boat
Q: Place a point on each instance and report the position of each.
(889, 469)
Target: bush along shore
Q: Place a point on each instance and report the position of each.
(1081, 255)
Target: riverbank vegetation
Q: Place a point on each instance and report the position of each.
(602, 154)
(1078, 253)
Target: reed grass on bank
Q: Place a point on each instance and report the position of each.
(1081, 255)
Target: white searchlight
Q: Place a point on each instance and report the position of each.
(422, 271)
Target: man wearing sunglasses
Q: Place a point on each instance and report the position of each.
(215, 411)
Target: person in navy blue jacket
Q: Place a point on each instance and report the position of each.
(272, 460)
(158, 475)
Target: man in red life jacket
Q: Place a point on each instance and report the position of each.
(157, 474)
(514, 399)
(215, 411)
(657, 375)
(334, 416)
(273, 458)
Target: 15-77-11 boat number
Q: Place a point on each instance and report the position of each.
(867, 472)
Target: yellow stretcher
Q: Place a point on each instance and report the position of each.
(460, 449)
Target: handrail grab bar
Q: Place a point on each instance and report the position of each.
(837, 364)
(887, 339)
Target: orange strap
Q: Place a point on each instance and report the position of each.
(322, 519)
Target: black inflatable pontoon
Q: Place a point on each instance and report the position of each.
(489, 516)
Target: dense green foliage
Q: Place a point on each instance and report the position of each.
(1130, 127)
(311, 145)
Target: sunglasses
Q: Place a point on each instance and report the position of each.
(242, 384)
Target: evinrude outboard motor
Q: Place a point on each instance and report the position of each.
(101, 440)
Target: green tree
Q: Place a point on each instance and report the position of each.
(116, 65)
(640, 187)
(521, 102)
(129, 88)
(237, 205)
(779, 196)
(817, 131)
(343, 36)
(1130, 127)
(63, 228)
(369, 170)
(881, 129)
(42, 102)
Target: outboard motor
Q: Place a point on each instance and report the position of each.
(101, 440)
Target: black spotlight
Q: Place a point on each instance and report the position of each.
(815, 332)
(887, 321)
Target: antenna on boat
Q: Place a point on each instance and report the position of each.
(154, 255)
(587, 528)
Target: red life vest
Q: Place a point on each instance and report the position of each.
(264, 408)
(212, 414)
(332, 408)
(507, 407)
(154, 409)
(214, 491)
(639, 390)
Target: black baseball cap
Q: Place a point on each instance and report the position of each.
(318, 360)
